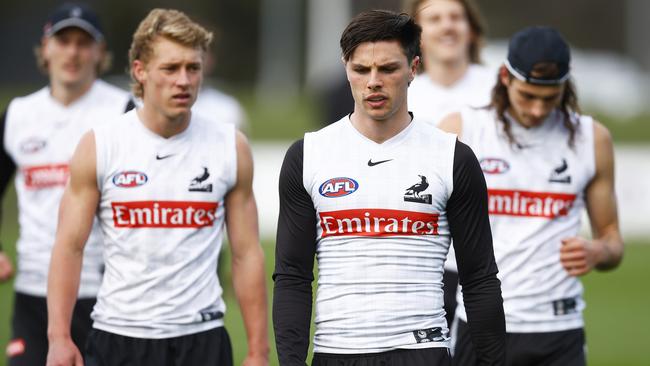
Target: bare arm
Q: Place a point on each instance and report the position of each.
(76, 213)
(452, 123)
(578, 255)
(247, 256)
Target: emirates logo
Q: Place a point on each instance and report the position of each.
(530, 204)
(377, 223)
(164, 214)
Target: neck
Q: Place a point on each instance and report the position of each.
(445, 73)
(161, 124)
(67, 94)
(380, 131)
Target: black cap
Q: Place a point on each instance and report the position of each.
(534, 45)
(74, 15)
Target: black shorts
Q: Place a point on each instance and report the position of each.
(436, 356)
(28, 345)
(564, 348)
(209, 348)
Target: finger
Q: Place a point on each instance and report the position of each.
(574, 264)
(577, 255)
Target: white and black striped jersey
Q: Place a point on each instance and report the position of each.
(162, 217)
(536, 189)
(379, 218)
(40, 136)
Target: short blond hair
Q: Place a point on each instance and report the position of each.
(170, 24)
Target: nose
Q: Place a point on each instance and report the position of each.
(374, 80)
(538, 109)
(183, 78)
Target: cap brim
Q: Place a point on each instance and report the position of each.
(531, 80)
(76, 23)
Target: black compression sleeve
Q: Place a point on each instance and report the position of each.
(7, 166)
(294, 262)
(467, 211)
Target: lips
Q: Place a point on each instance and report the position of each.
(376, 100)
(182, 97)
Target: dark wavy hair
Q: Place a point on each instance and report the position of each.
(382, 25)
(568, 105)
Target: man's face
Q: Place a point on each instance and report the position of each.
(379, 74)
(530, 104)
(446, 33)
(171, 78)
(72, 56)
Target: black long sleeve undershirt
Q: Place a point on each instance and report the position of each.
(7, 165)
(470, 230)
(467, 212)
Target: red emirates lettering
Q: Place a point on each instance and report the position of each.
(46, 176)
(529, 204)
(164, 214)
(377, 223)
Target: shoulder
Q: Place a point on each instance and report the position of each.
(30, 101)
(330, 131)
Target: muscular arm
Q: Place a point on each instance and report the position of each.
(579, 255)
(247, 256)
(477, 270)
(76, 213)
(294, 262)
(7, 170)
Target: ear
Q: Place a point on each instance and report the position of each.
(414, 67)
(504, 75)
(139, 71)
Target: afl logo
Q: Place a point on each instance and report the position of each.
(338, 187)
(32, 145)
(494, 166)
(129, 179)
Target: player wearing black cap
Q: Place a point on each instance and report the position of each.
(38, 133)
(544, 163)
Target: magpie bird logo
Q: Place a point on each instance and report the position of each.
(412, 193)
(559, 174)
(197, 184)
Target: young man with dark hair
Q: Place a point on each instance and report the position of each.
(377, 197)
(163, 183)
(544, 163)
(38, 133)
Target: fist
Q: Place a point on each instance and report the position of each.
(579, 256)
(6, 268)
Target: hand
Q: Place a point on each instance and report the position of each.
(256, 360)
(579, 256)
(6, 268)
(63, 352)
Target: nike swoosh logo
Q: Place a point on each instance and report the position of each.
(371, 163)
(158, 157)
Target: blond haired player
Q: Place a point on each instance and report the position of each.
(163, 183)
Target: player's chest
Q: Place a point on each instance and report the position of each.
(188, 172)
(397, 181)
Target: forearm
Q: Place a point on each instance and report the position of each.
(485, 316)
(292, 306)
(610, 252)
(250, 288)
(62, 288)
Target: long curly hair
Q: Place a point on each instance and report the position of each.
(500, 101)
